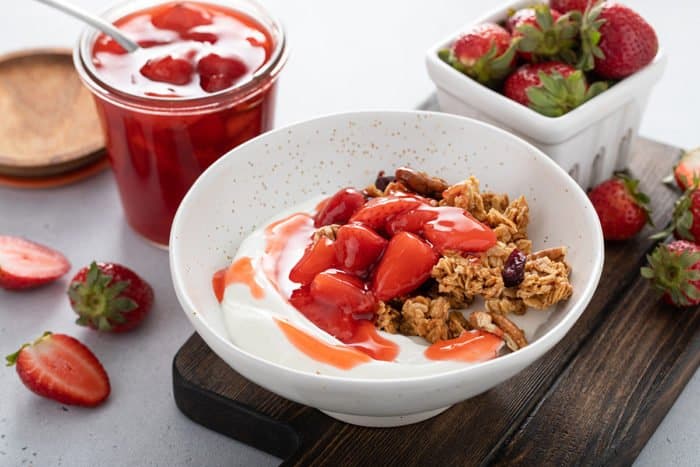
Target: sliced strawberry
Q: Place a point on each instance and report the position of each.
(200, 36)
(25, 264)
(406, 264)
(339, 208)
(412, 221)
(344, 291)
(61, 368)
(217, 72)
(687, 171)
(168, 70)
(181, 17)
(376, 212)
(358, 248)
(109, 297)
(456, 230)
(318, 257)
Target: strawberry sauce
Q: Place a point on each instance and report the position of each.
(471, 346)
(173, 107)
(240, 271)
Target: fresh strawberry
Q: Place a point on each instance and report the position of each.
(406, 264)
(622, 208)
(685, 223)
(378, 211)
(616, 41)
(454, 229)
(339, 207)
(181, 17)
(25, 264)
(217, 73)
(687, 171)
(544, 33)
(61, 368)
(566, 6)
(551, 88)
(343, 291)
(109, 297)
(484, 52)
(674, 269)
(318, 256)
(358, 248)
(167, 69)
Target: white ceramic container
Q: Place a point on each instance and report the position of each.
(288, 166)
(590, 142)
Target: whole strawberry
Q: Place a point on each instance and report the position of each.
(685, 223)
(109, 297)
(552, 88)
(621, 207)
(484, 52)
(566, 6)
(544, 33)
(61, 368)
(687, 171)
(674, 269)
(616, 41)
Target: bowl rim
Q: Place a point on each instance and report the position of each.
(528, 354)
(533, 123)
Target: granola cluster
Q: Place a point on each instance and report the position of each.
(440, 313)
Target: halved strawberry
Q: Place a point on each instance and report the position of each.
(25, 264)
(344, 291)
(109, 297)
(687, 171)
(406, 264)
(61, 368)
(318, 256)
(377, 211)
(357, 248)
(181, 17)
(168, 70)
(339, 207)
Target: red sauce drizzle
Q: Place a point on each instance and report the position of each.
(240, 271)
(471, 346)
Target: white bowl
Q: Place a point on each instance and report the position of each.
(287, 166)
(590, 142)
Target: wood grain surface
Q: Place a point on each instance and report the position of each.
(49, 124)
(594, 399)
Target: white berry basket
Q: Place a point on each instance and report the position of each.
(590, 142)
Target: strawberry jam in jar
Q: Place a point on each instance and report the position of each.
(202, 82)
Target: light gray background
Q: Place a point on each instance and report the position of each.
(346, 55)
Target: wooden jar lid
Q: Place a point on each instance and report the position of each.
(49, 125)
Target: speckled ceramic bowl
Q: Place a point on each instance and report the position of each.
(287, 166)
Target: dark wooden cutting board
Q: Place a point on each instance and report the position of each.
(594, 399)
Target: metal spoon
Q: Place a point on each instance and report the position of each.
(93, 21)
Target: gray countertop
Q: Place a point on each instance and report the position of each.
(380, 68)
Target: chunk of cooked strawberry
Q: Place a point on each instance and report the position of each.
(181, 17)
(411, 221)
(376, 212)
(318, 256)
(217, 72)
(168, 70)
(357, 248)
(339, 208)
(344, 291)
(327, 317)
(455, 229)
(406, 264)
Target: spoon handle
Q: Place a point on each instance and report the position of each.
(93, 21)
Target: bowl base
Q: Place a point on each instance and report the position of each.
(385, 422)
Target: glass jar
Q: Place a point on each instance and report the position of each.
(159, 145)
